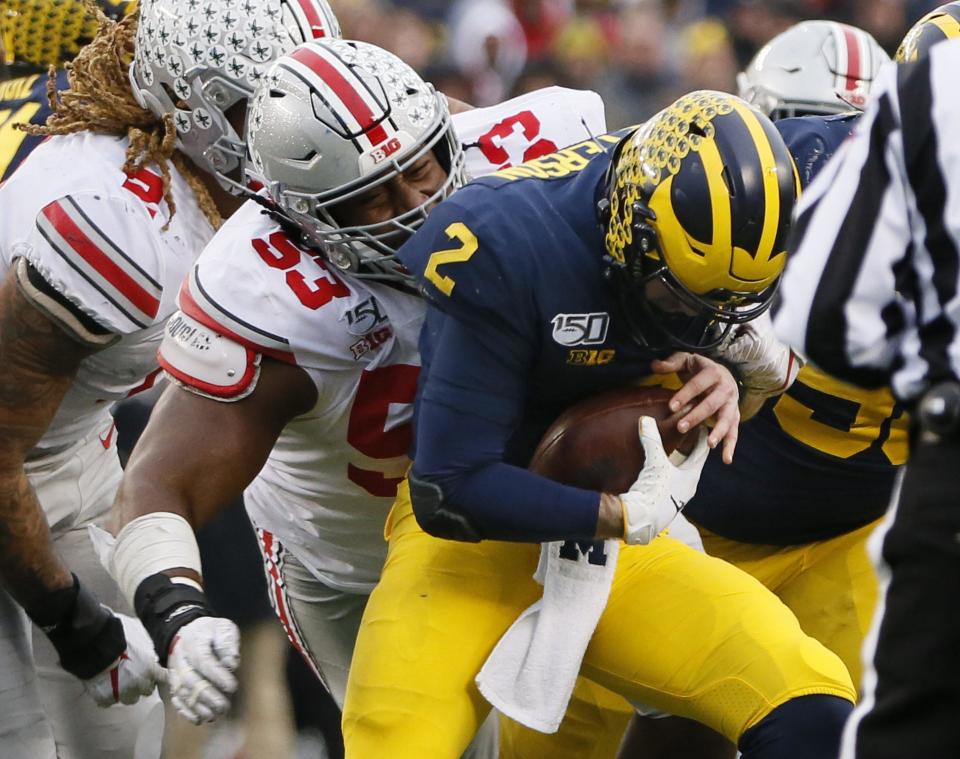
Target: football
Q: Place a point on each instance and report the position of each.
(596, 443)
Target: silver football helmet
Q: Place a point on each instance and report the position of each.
(197, 59)
(335, 119)
(814, 67)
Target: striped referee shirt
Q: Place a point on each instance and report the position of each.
(871, 289)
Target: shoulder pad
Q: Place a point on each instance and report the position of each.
(207, 363)
(98, 251)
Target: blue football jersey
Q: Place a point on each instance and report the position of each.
(517, 257)
(22, 100)
(521, 325)
(812, 140)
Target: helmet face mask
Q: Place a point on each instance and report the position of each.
(661, 318)
(661, 313)
(198, 60)
(696, 212)
(339, 120)
(350, 245)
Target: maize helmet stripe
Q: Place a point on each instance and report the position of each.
(947, 24)
(940, 24)
(744, 264)
(721, 232)
(353, 99)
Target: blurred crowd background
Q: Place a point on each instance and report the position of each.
(638, 54)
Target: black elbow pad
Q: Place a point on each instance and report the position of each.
(434, 517)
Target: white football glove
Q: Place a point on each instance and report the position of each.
(767, 366)
(135, 674)
(203, 657)
(663, 487)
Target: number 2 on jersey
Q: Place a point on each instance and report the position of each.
(468, 246)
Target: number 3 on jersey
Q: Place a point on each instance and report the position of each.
(461, 233)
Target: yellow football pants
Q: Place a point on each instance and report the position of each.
(593, 728)
(682, 632)
(830, 585)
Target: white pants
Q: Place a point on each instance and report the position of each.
(44, 712)
(322, 623)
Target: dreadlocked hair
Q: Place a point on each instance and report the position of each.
(99, 100)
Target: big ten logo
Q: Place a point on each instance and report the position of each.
(514, 140)
(581, 357)
(370, 342)
(575, 550)
(855, 97)
(382, 153)
(367, 320)
(148, 186)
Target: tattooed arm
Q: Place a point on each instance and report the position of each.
(38, 361)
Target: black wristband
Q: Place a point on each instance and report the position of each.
(87, 636)
(165, 606)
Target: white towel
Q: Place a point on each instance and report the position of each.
(531, 672)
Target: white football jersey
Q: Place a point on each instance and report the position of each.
(331, 477)
(95, 234)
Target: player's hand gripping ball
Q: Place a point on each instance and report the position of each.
(601, 444)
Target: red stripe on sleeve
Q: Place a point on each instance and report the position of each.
(93, 255)
(345, 91)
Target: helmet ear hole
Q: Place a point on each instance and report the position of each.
(603, 211)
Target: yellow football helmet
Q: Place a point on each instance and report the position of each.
(940, 24)
(696, 214)
(41, 33)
